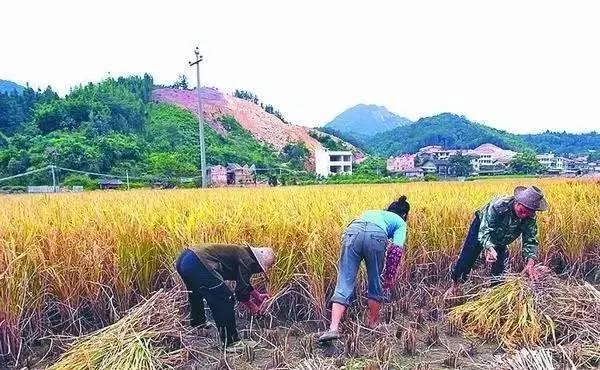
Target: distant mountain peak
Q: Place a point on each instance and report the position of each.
(366, 119)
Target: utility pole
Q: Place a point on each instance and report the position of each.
(127, 174)
(53, 179)
(200, 123)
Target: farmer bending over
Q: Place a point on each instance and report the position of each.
(367, 239)
(494, 227)
(204, 269)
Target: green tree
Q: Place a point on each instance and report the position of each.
(525, 163)
(72, 150)
(174, 164)
(16, 108)
(295, 153)
(79, 180)
(461, 164)
(372, 166)
(327, 141)
(181, 82)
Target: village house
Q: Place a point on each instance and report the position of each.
(429, 167)
(329, 162)
(551, 163)
(435, 152)
(112, 184)
(401, 163)
(237, 174)
(594, 167)
(413, 173)
(217, 176)
(489, 159)
(438, 167)
(486, 159)
(561, 165)
(575, 166)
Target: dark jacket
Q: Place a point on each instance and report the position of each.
(500, 226)
(230, 262)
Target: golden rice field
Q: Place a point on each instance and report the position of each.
(68, 262)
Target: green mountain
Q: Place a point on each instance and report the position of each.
(114, 126)
(366, 120)
(563, 142)
(446, 129)
(9, 86)
(449, 130)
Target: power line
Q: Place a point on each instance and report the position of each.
(100, 174)
(127, 177)
(25, 173)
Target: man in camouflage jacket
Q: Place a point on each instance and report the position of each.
(497, 225)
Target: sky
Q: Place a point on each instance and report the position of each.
(521, 66)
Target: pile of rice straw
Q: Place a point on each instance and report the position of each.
(580, 356)
(529, 359)
(573, 356)
(518, 313)
(150, 336)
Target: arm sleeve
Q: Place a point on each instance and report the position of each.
(530, 239)
(395, 251)
(489, 225)
(243, 288)
(392, 261)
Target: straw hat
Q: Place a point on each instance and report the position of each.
(531, 197)
(264, 256)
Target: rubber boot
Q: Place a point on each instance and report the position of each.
(373, 314)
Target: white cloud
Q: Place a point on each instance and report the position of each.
(523, 66)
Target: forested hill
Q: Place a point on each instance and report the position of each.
(115, 127)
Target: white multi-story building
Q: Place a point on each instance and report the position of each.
(332, 162)
(551, 162)
(486, 160)
(545, 159)
(489, 159)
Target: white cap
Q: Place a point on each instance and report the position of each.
(264, 256)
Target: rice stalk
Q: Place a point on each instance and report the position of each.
(143, 339)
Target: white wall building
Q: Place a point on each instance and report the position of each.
(551, 162)
(332, 162)
(545, 159)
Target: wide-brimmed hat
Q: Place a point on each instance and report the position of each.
(531, 197)
(264, 256)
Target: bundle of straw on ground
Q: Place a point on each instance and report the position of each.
(529, 359)
(586, 356)
(506, 313)
(575, 310)
(518, 313)
(150, 336)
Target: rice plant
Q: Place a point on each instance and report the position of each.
(72, 263)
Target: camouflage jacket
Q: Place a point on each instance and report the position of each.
(500, 226)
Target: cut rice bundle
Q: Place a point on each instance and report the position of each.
(150, 336)
(518, 313)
